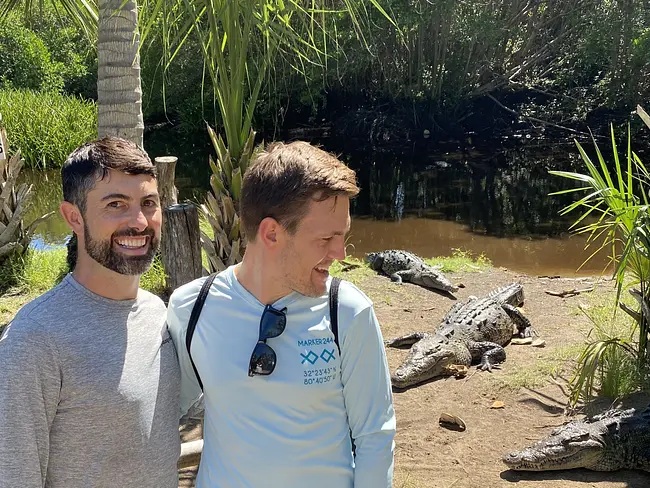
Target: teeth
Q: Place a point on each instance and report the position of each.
(132, 242)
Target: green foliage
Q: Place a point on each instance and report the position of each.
(69, 48)
(608, 365)
(40, 270)
(25, 61)
(46, 127)
(154, 279)
(615, 215)
(35, 272)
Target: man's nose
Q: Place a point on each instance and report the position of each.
(138, 220)
(337, 250)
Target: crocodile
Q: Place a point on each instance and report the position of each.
(405, 266)
(616, 439)
(473, 331)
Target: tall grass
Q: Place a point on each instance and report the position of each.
(608, 364)
(46, 127)
(40, 270)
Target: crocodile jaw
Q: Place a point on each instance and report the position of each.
(562, 450)
(436, 281)
(421, 365)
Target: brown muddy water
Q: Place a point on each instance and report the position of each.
(546, 256)
(496, 202)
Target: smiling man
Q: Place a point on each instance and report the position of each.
(283, 400)
(89, 378)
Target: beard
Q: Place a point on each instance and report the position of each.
(102, 251)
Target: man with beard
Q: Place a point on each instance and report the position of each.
(284, 400)
(89, 377)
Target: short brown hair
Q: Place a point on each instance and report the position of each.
(285, 178)
(90, 162)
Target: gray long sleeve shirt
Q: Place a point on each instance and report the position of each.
(89, 393)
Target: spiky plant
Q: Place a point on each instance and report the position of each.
(619, 208)
(14, 203)
(226, 246)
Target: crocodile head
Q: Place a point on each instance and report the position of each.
(375, 260)
(426, 360)
(575, 445)
(434, 279)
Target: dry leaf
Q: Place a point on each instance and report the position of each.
(498, 404)
(451, 422)
(538, 343)
(456, 370)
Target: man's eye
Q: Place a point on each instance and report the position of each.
(115, 205)
(327, 239)
(149, 203)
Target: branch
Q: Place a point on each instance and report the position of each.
(569, 293)
(535, 119)
(632, 313)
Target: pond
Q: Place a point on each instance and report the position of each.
(429, 199)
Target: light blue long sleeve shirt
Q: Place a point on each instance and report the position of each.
(292, 428)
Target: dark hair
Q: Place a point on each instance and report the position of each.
(282, 181)
(90, 163)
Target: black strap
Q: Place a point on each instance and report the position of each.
(334, 324)
(194, 317)
(334, 310)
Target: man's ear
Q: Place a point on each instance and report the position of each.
(269, 232)
(72, 215)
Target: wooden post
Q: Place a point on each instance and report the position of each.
(166, 166)
(181, 245)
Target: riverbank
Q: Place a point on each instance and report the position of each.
(531, 384)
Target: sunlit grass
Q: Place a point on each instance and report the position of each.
(609, 365)
(46, 127)
(555, 362)
(461, 260)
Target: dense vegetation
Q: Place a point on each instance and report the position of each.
(450, 67)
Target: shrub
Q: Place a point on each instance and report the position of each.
(25, 60)
(46, 127)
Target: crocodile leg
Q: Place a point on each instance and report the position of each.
(524, 327)
(407, 340)
(401, 276)
(489, 353)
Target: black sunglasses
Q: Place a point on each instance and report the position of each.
(272, 324)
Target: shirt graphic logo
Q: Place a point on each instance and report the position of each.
(311, 357)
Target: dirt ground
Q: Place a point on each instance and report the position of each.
(429, 456)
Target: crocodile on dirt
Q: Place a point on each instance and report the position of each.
(473, 331)
(616, 439)
(406, 266)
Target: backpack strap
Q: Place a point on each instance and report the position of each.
(194, 317)
(334, 310)
(334, 324)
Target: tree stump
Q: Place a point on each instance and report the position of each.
(181, 244)
(166, 166)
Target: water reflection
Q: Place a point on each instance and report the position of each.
(491, 201)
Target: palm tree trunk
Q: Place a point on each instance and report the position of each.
(119, 91)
